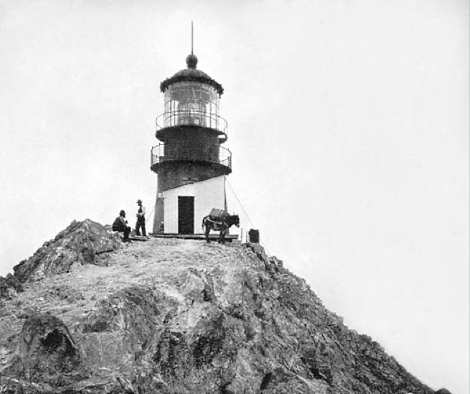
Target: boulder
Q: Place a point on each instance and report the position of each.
(80, 243)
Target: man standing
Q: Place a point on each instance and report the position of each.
(140, 219)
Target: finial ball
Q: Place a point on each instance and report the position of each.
(191, 61)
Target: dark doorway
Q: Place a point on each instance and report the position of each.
(185, 215)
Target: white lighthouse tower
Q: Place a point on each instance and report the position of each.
(190, 160)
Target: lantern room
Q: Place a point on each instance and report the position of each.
(191, 98)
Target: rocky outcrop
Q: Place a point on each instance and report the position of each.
(181, 316)
(46, 352)
(9, 286)
(80, 243)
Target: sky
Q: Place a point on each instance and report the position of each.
(348, 125)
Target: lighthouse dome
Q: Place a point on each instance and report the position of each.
(191, 74)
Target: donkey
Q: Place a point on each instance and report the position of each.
(221, 225)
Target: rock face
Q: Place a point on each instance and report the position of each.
(177, 316)
(80, 243)
(9, 286)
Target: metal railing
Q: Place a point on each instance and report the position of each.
(191, 118)
(191, 152)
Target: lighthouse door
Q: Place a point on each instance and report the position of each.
(185, 215)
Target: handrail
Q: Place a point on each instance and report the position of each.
(188, 150)
(191, 118)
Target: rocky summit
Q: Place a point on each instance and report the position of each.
(88, 313)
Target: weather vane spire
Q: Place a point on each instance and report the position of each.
(191, 60)
(192, 38)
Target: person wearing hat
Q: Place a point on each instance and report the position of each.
(140, 224)
(120, 224)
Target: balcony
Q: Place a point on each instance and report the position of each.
(189, 151)
(193, 118)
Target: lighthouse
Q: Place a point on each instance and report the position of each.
(190, 161)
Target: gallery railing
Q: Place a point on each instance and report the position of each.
(191, 152)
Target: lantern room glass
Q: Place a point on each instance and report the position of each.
(191, 103)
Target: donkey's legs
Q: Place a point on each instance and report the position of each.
(221, 239)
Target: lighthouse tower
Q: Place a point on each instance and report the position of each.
(190, 160)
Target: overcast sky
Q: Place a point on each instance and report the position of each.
(348, 124)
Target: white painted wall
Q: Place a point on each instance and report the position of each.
(207, 195)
